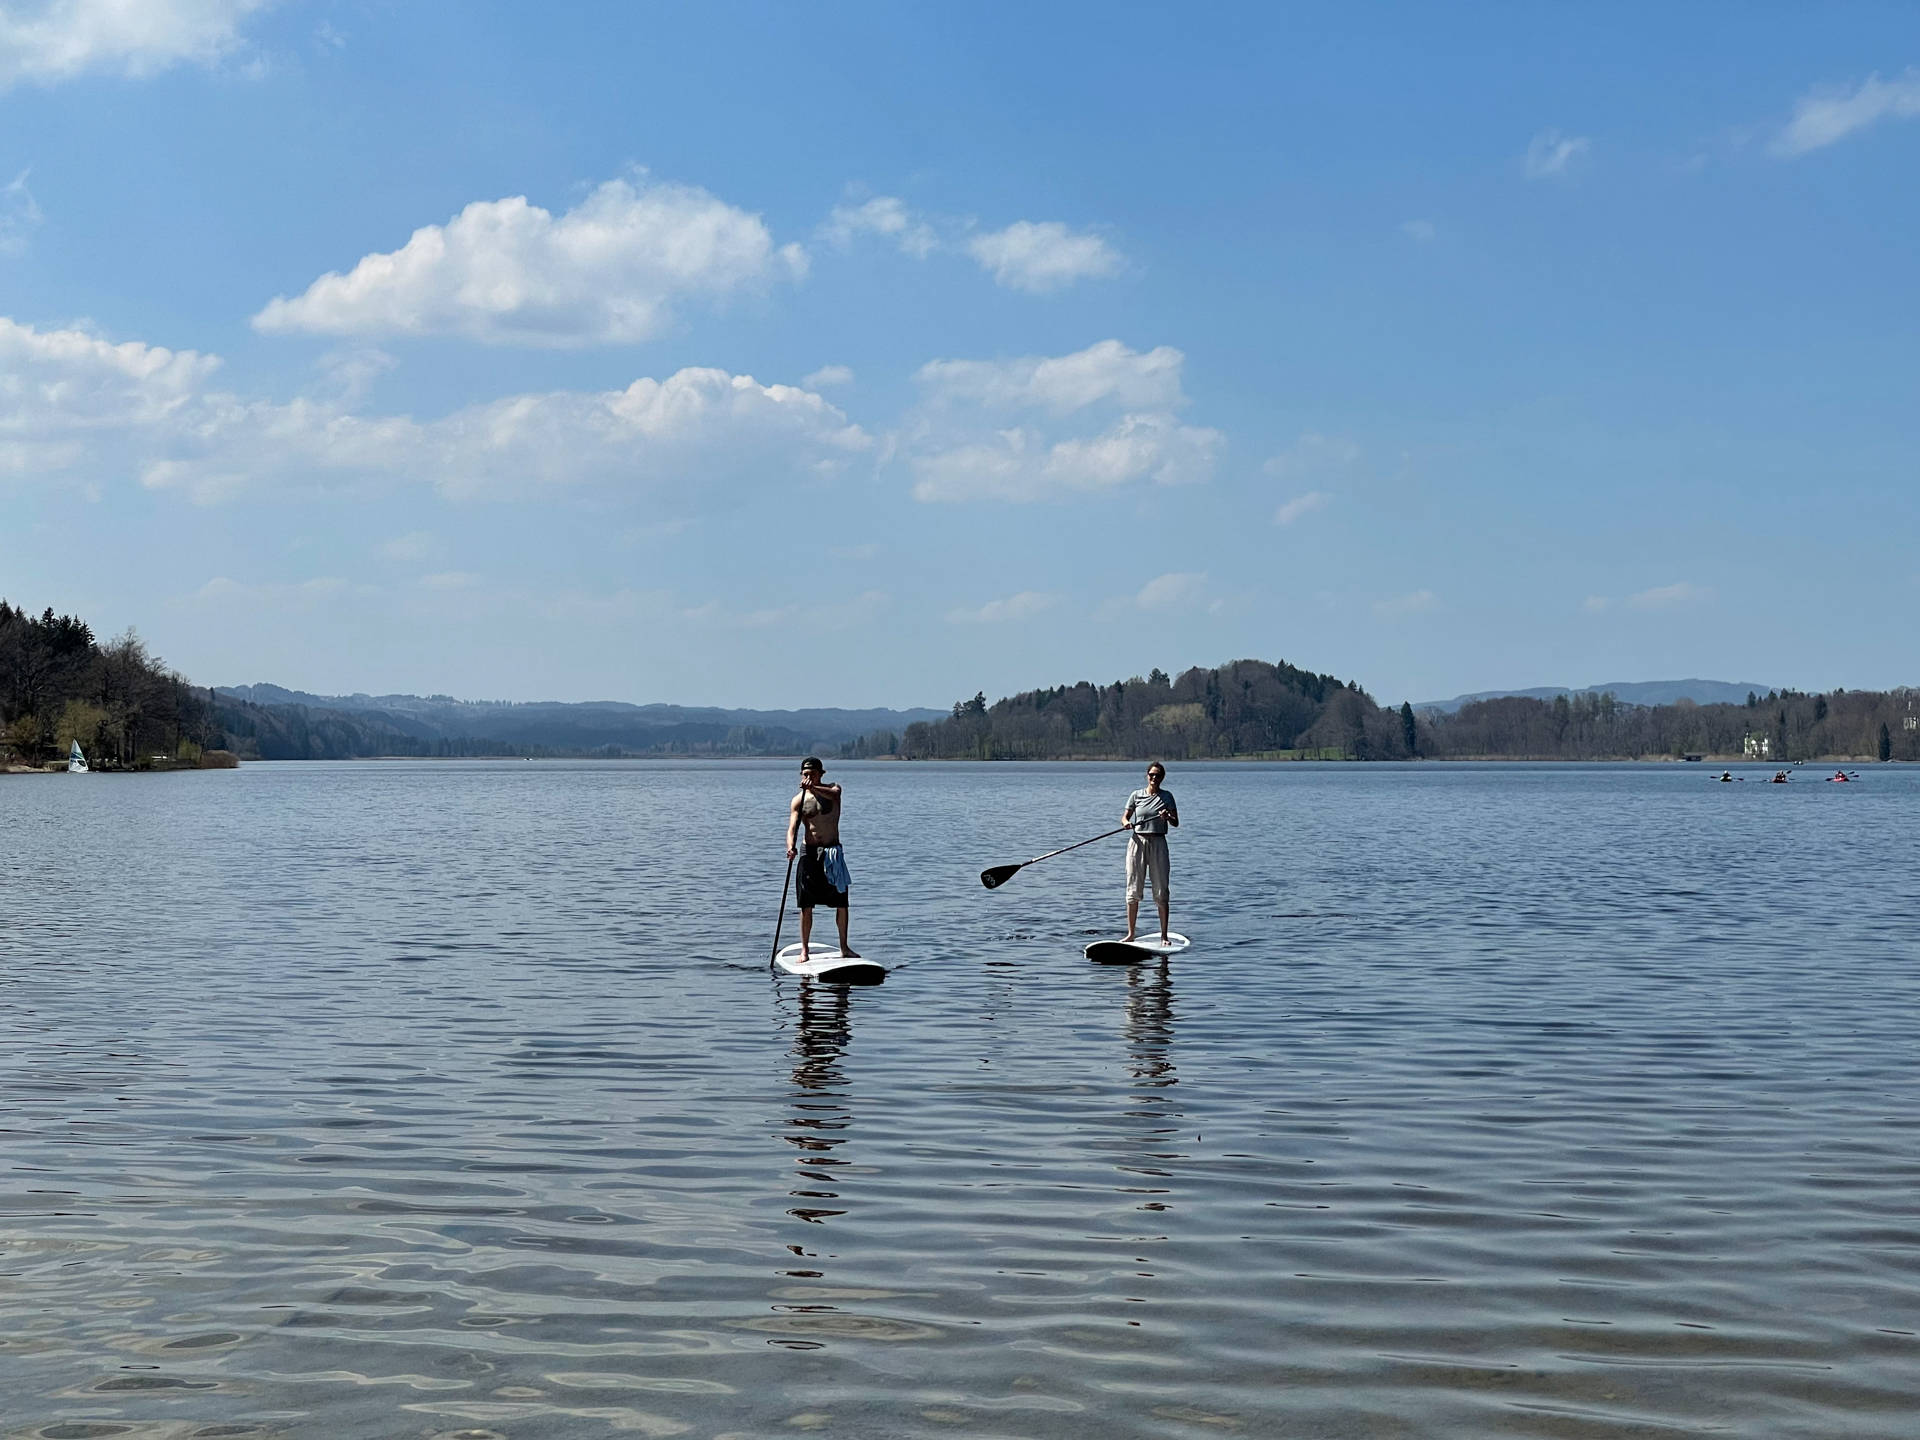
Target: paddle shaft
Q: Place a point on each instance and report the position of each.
(1075, 846)
(777, 924)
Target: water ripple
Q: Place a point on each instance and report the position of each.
(452, 1100)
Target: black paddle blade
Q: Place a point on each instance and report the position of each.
(999, 875)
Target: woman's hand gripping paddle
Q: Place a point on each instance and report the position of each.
(999, 875)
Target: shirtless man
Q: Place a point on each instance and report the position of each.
(823, 867)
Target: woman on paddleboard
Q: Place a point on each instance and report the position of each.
(823, 866)
(1149, 812)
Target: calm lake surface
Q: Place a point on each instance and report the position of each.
(456, 1099)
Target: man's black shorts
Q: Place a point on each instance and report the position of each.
(815, 888)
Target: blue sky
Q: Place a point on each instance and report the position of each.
(778, 355)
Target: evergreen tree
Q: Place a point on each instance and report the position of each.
(1886, 742)
(1408, 730)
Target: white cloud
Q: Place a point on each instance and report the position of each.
(1662, 597)
(886, 216)
(1300, 505)
(507, 272)
(1043, 256)
(989, 429)
(1019, 464)
(1597, 604)
(1412, 604)
(1037, 256)
(19, 216)
(415, 546)
(1550, 153)
(1418, 230)
(349, 374)
(828, 375)
(74, 406)
(450, 580)
(1174, 591)
(63, 392)
(1101, 372)
(1023, 606)
(55, 40)
(1313, 459)
(1152, 447)
(1825, 116)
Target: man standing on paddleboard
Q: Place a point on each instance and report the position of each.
(1149, 812)
(823, 866)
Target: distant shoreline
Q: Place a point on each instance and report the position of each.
(1709, 762)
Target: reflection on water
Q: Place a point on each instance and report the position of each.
(1149, 1027)
(452, 1100)
(822, 1115)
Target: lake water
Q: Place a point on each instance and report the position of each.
(457, 1099)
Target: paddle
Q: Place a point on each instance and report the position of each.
(999, 875)
(783, 912)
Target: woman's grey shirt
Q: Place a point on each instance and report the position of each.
(1150, 811)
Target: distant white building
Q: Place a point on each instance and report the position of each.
(1759, 747)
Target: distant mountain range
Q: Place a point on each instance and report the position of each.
(295, 724)
(1632, 692)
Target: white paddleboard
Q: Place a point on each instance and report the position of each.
(1131, 952)
(827, 963)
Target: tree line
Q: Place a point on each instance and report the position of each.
(124, 707)
(127, 709)
(1257, 709)
(1783, 725)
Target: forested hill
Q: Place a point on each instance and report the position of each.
(1246, 707)
(290, 724)
(59, 685)
(1253, 708)
(127, 709)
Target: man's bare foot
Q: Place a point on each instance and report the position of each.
(848, 952)
(1128, 936)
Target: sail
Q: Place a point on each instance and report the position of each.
(76, 762)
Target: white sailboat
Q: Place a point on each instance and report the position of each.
(76, 762)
